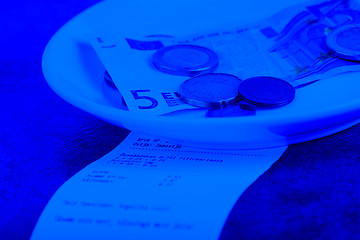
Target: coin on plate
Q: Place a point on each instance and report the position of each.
(210, 90)
(345, 42)
(185, 60)
(232, 110)
(266, 91)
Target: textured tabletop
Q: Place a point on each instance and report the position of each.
(311, 192)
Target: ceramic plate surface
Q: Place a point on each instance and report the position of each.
(74, 72)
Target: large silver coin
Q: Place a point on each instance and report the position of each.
(185, 60)
(210, 90)
(345, 42)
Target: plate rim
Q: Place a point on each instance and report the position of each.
(107, 112)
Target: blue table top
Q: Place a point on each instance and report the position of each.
(311, 192)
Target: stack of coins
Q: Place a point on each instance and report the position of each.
(222, 93)
(225, 94)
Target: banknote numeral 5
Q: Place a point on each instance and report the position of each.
(153, 102)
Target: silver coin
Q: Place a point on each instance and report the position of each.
(185, 60)
(232, 111)
(210, 90)
(266, 91)
(345, 42)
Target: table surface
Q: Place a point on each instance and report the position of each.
(311, 192)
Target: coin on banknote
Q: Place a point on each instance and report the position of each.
(232, 110)
(345, 42)
(185, 60)
(210, 90)
(266, 91)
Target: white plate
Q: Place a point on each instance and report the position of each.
(74, 72)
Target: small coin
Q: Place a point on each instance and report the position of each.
(185, 60)
(232, 110)
(210, 90)
(345, 42)
(266, 91)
